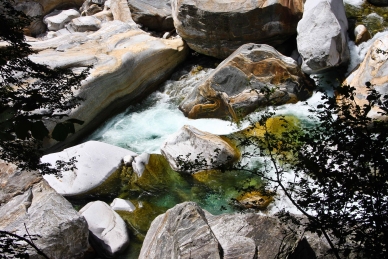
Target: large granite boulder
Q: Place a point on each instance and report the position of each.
(373, 69)
(127, 64)
(59, 18)
(322, 36)
(153, 14)
(28, 202)
(234, 88)
(108, 232)
(96, 169)
(187, 227)
(192, 150)
(217, 28)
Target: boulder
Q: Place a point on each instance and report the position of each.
(96, 168)
(85, 23)
(373, 69)
(361, 34)
(121, 11)
(191, 150)
(32, 9)
(153, 14)
(108, 232)
(217, 28)
(139, 163)
(90, 7)
(59, 18)
(181, 232)
(322, 36)
(28, 202)
(186, 226)
(234, 88)
(379, 2)
(122, 205)
(127, 64)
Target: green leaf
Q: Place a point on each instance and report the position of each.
(39, 130)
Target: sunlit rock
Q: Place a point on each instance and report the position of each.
(59, 18)
(192, 150)
(28, 203)
(122, 205)
(217, 28)
(255, 199)
(109, 234)
(153, 14)
(90, 7)
(373, 69)
(96, 169)
(85, 23)
(322, 36)
(139, 163)
(361, 34)
(235, 87)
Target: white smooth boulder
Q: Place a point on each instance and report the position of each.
(109, 234)
(198, 150)
(96, 162)
(122, 205)
(322, 36)
(58, 19)
(85, 23)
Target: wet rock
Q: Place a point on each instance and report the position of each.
(192, 150)
(217, 28)
(59, 18)
(96, 168)
(322, 36)
(108, 232)
(27, 201)
(153, 14)
(361, 34)
(255, 199)
(235, 87)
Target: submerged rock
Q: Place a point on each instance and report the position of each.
(192, 150)
(96, 169)
(108, 232)
(322, 36)
(28, 202)
(235, 87)
(217, 28)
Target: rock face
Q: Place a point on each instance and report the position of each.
(96, 164)
(181, 232)
(234, 88)
(153, 14)
(25, 198)
(127, 64)
(191, 144)
(217, 28)
(322, 36)
(373, 69)
(187, 227)
(108, 232)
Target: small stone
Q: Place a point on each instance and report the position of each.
(122, 205)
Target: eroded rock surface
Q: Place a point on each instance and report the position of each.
(217, 28)
(234, 88)
(322, 36)
(26, 198)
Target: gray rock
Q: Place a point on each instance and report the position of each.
(96, 163)
(233, 89)
(59, 18)
(27, 201)
(85, 23)
(122, 205)
(139, 163)
(121, 11)
(153, 14)
(32, 9)
(181, 232)
(108, 232)
(217, 28)
(322, 36)
(191, 144)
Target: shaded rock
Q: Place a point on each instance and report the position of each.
(32, 9)
(361, 34)
(217, 28)
(96, 166)
(127, 64)
(153, 14)
(59, 18)
(234, 88)
(25, 198)
(192, 150)
(90, 7)
(322, 36)
(379, 2)
(181, 232)
(373, 69)
(108, 232)
(122, 205)
(85, 23)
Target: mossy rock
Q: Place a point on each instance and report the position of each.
(255, 200)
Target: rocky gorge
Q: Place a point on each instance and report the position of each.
(204, 62)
